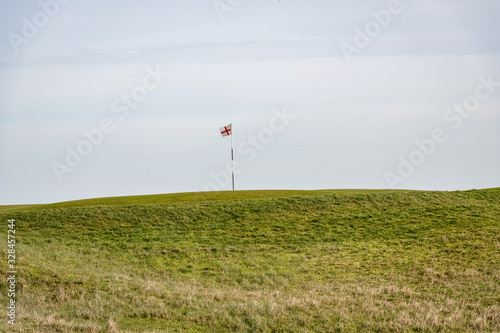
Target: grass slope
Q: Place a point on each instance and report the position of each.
(182, 197)
(289, 261)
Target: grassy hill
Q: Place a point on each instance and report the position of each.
(183, 197)
(260, 261)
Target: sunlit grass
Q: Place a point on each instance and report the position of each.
(327, 261)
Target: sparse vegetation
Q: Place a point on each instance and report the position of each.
(327, 261)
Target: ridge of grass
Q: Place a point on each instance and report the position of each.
(183, 197)
(199, 196)
(331, 261)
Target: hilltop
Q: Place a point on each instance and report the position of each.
(261, 261)
(184, 197)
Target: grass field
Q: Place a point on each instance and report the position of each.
(259, 261)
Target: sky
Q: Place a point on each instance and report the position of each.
(126, 97)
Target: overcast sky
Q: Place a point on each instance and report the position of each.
(321, 94)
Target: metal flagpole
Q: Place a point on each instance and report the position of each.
(232, 152)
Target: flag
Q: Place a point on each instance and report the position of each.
(226, 130)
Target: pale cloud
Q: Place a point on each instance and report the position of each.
(352, 120)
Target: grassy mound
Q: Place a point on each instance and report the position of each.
(327, 261)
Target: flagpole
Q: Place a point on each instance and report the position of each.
(232, 152)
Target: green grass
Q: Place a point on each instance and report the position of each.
(183, 197)
(261, 261)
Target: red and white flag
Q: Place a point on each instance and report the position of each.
(226, 130)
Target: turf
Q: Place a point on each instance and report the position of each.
(260, 261)
(182, 197)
